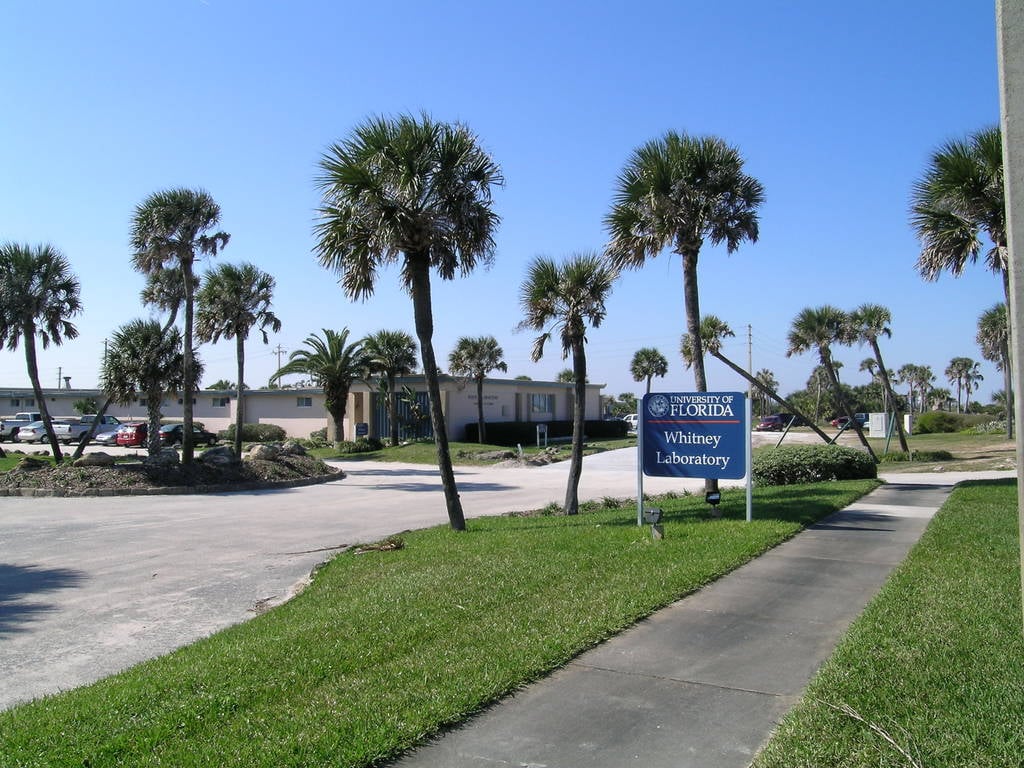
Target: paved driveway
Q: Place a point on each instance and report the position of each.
(90, 586)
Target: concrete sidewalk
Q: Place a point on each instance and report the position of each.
(704, 682)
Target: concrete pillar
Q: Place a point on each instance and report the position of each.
(1010, 38)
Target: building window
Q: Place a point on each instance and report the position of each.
(142, 402)
(23, 402)
(542, 404)
(181, 401)
(304, 402)
(221, 402)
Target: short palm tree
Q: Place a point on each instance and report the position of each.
(235, 299)
(565, 298)
(334, 364)
(646, 364)
(994, 340)
(170, 229)
(868, 322)
(144, 358)
(473, 358)
(713, 330)
(391, 354)
(38, 295)
(955, 373)
(818, 329)
(417, 191)
(165, 291)
(768, 383)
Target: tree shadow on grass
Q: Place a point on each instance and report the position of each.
(18, 582)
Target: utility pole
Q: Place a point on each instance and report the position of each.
(59, 371)
(750, 359)
(279, 351)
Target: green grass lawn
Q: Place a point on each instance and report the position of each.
(388, 646)
(936, 661)
(424, 452)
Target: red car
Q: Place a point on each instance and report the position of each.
(133, 434)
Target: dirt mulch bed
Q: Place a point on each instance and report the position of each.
(139, 478)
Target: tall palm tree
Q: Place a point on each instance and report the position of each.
(391, 354)
(994, 341)
(713, 330)
(868, 322)
(420, 190)
(648, 363)
(145, 358)
(565, 298)
(768, 383)
(676, 192)
(818, 329)
(165, 291)
(474, 357)
(169, 230)
(956, 372)
(972, 379)
(38, 295)
(334, 364)
(235, 299)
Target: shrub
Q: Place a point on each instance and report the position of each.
(319, 436)
(360, 445)
(525, 432)
(989, 428)
(811, 464)
(256, 433)
(934, 422)
(895, 457)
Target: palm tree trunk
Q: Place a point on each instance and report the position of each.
(579, 387)
(392, 410)
(419, 274)
(826, 360)
(691, 302)
(480, 409)
(890, 395)
(770, 393)
(153, 398)
(29, 334)
(187, 448)
(239, 397)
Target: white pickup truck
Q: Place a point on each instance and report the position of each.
(9, 427)
(72, 433)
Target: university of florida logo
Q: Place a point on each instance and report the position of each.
(658, 406)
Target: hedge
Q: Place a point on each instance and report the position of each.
(934, 422)
(525, 432)
(811, 464)
(256, 433)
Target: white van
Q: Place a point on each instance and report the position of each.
(631, 419)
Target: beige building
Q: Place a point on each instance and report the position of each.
(301, 411)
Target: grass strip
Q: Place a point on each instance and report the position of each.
(388, 646)
(936, 661)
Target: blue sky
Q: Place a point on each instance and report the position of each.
(834, 106)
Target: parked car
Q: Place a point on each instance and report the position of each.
(9, 427)
(74, 431)
(631, 419)
(133, 434)
(773, 423)
(174, 434)
(35, 432)
(842, 421)
(109, 437)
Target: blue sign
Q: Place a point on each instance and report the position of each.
(362, 429)
(694, 434)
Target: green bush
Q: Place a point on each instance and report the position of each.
(360, 445)
(811, 464)
(989, 428)
(895, 457)
(935, 422)
(256, 433)
(525, 432)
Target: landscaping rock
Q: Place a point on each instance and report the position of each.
(264, 452)
(30, 464)
(293, 448)
(167, 457)
(494, 455)
(219, 456)
(98, 459)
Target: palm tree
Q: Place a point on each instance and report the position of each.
(565, 298)
(565, 376)
(165, 291)
(421, 190)
(676, 192)
(143, 357)
(972, 379)
(819, 328)
(169, 229)
(768, 383)
(391, 354)
(994, 341)
(956, 372)
(940, 398)
(38, 295)
(334, 364)
(233, 301)
(474, 358)
(713, 330)
(868, 322)
(648, 363)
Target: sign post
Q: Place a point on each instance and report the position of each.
(693, 434)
